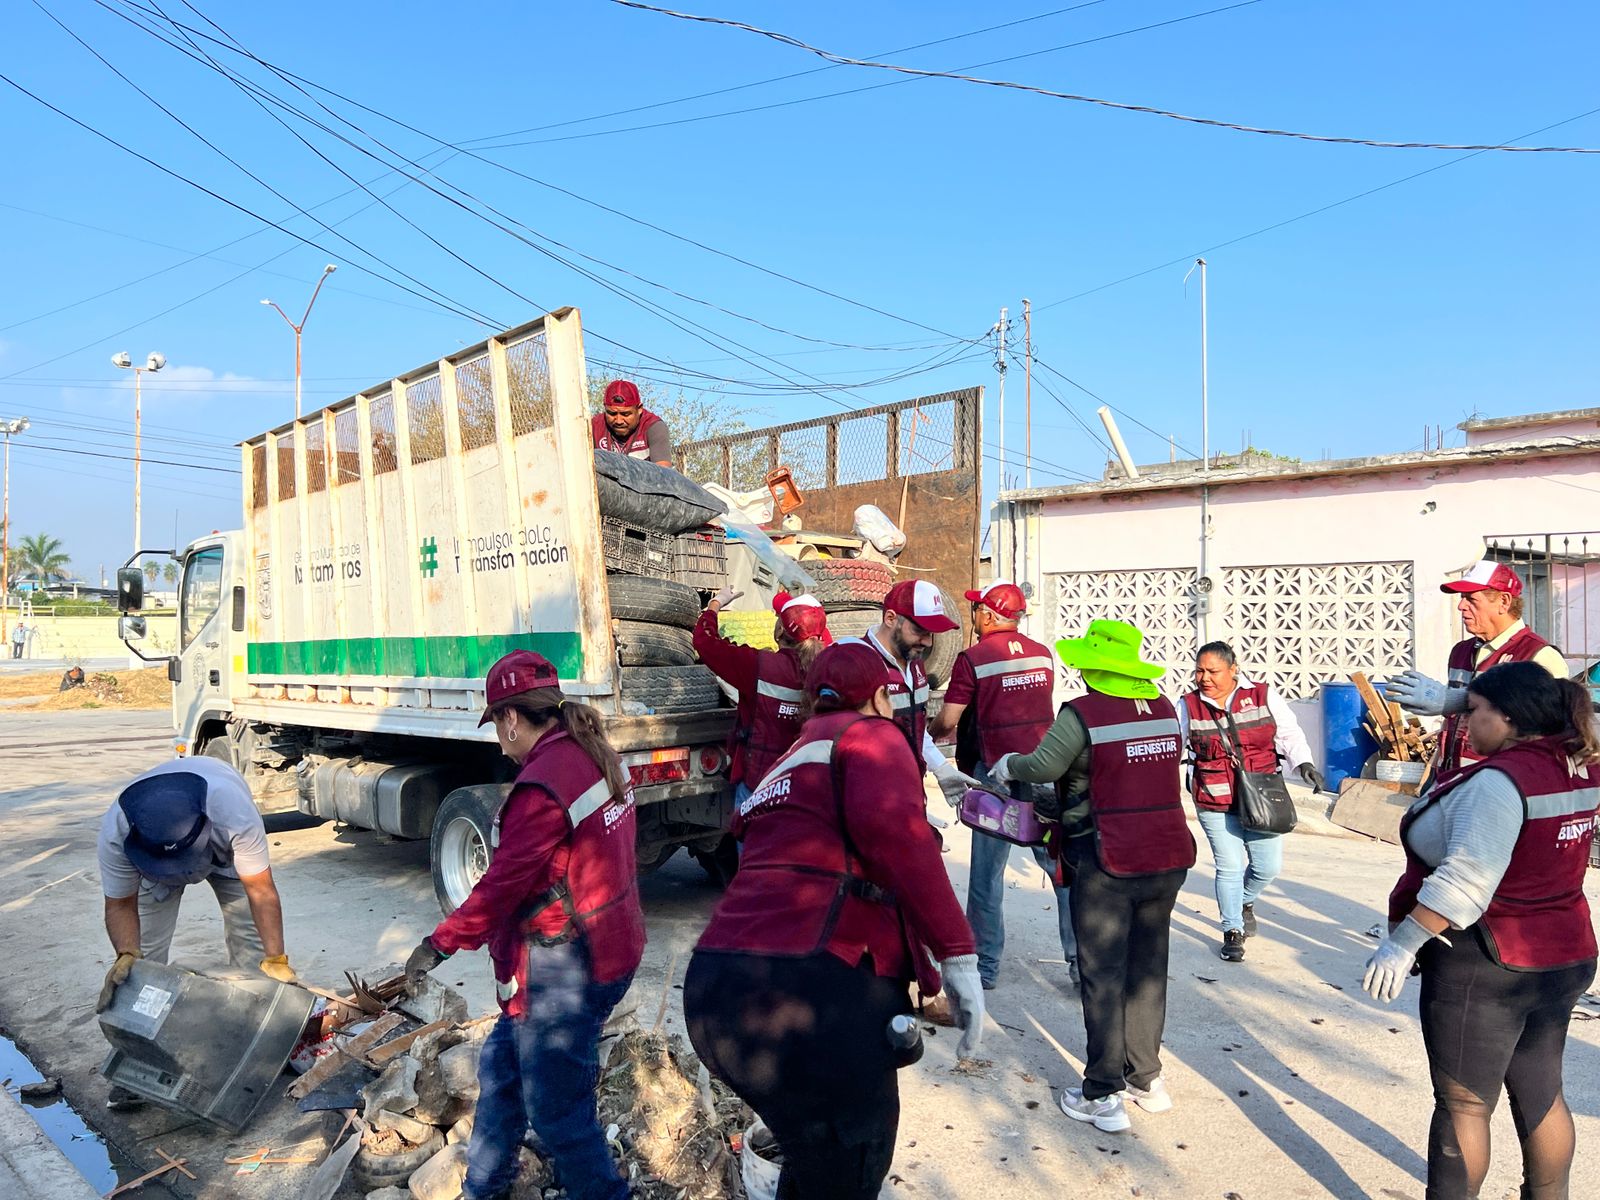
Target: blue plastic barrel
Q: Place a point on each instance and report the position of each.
(1346, 746)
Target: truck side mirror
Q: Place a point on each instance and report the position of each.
(174, 669)
(130, 589)
(131, 629)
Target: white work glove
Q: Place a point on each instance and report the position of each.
(1000, 770)
(954, 783)
(725, 597)
(964, 989)
(1414, 691)
(1392, 961)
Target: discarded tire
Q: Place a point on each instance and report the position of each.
(650, 497)
(372, 1170)
(852, 620)
(849, 580)
(653, 601)
(671, 689)
(647, 645)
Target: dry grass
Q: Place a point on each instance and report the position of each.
(142, 688)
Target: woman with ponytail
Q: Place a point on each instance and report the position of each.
(770, 683)
(558, 909)
(1498, 850)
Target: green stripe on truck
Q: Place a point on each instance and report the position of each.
(411, 657)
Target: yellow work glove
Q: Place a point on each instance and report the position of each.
(277, 966)
(114, 977)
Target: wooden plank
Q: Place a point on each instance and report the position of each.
(1376, 707)
(176, 1162)
(369, 1037)
(1371, 807)
(331, 1064)
(379, 1055)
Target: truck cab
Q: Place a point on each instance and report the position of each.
(210, 649)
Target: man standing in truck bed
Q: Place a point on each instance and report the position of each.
(626, 426)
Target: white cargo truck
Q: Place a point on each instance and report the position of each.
(394, 545)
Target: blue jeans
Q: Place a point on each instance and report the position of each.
(540, 1070)
(986, 890)
(1247, 860)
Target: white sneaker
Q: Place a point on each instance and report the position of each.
(1106, 1114)
(1154, 1098)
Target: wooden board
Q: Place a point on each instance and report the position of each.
(1372, 807)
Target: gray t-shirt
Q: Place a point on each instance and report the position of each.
(238, 836)
(1467, 837)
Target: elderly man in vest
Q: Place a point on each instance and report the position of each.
(1008, 680)
(1490, 605)
(624, 425)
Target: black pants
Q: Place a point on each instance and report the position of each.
(1123, 928)
(804, 1042)
(1486, 1026)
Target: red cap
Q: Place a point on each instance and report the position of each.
(846, 675)
(516, 674)
(1486, 576)
(919, 600)
(622, 393)
(802, 617)
(1002, 597)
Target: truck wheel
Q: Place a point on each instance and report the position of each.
(654, 601)
(671, 689)
(849, 580)
(458, 849)
(720, 864)
(221, 749)
(646, 645)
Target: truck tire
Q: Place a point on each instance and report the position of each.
(221, 749)
(852, 620)
(720, 863)
(458, 848)
(654, 601)
(849, 580)
(650, 497)
(640, 644)
(671, 689)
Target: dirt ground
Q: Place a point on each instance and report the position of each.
(1290, 1084)
(142, 688)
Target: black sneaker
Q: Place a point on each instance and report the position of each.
(1249, 920)
(1232, 946)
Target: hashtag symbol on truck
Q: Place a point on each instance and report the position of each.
(430, 556)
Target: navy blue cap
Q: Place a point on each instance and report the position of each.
(166, 816)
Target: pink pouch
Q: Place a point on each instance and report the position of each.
(1004, 817)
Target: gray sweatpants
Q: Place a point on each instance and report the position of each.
(158, 921)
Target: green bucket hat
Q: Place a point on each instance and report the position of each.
(1111, 646)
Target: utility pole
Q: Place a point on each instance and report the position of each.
(1027, 390)
(153, 362)
(9, 427)
(1000, 366)
(1205, 583)
(300, 328)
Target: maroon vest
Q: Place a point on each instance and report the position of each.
(800, 889)
(1454, 749)
(1538, 919)
(1015, 675)
(1134, 791)
(637, 445)
(596, 893)
(1212, 748)
(769, 718)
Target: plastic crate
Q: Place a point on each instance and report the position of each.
(700, 559)
(634, 551)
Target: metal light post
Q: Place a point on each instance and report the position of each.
(153, 362)
(9, 428)
(300, 329)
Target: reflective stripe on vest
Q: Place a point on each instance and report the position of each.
(1013, 666)
(1131, 730)
(903, 700)
(777, 692)
(591, 801)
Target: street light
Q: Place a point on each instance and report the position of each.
(300, 328)
(152, 362)
(8, 428)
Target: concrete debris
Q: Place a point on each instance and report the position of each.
(45, 1089)
(461, 1131)
(442, 1176)
(414, 1131)
(393, 1091)
(434, 1001)
(389, 1193)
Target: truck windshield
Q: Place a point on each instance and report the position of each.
(202, 592)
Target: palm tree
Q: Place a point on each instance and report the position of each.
(170, 573)
(43, 558)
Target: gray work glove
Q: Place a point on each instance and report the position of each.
(1415, 692)
(954, 783)
(423, 959)
(964, 989)
(1000, 771)
(1309, 772)
(1392, 961)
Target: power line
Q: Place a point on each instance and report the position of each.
(1065, 378)
(844, 60)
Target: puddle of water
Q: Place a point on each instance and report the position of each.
(61, 1124)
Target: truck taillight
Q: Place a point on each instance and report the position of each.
(659, 766)
(712, 760)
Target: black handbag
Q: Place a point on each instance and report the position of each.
(1261, 799)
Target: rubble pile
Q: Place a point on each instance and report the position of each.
(670, 1126)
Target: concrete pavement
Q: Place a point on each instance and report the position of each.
(1290, 1083)
(30, 1163)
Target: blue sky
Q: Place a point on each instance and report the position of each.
(1470, 288)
